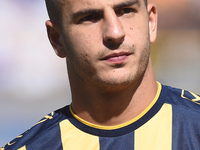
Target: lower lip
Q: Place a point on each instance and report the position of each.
(117, 60)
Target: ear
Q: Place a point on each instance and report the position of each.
(152, 11)
(55, 39)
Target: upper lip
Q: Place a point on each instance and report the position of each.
(116, 55)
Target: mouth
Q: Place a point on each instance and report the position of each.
(117, 58)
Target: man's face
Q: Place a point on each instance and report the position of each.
(106, 42)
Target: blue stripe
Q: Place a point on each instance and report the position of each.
(50, 140)
(185, 129)
(125, 142)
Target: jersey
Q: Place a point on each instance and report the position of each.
(170, 122)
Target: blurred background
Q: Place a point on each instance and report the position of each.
(34, 81)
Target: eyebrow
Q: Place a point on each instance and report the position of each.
(85, 12)
(96, 11)
(127, 3)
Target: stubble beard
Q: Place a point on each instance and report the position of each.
(134, 76)
(91, 78)
(111, 83)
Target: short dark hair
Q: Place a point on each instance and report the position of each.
(54, 9)
(145, 1)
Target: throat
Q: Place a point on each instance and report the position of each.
(110, 110)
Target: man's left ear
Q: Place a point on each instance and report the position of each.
(152, 11)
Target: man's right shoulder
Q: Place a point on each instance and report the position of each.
(43, 128)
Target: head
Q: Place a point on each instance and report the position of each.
(106, 43)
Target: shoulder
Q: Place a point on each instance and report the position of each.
(181, 98)
(46, 126)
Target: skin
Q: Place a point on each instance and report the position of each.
(107, 49)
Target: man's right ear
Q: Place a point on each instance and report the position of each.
(55, 39)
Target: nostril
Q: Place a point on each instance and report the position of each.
(109, 40)
(115, 40)
(113, 44)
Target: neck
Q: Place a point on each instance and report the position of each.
(113, 108)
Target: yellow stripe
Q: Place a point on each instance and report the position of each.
(156, 134)
(75, 139)
(22, 148)
(124, 124)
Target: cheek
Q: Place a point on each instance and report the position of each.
(85, 46)
(82, 43)
(138, 35)
(80, 50)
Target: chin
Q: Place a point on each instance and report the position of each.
(115, 81)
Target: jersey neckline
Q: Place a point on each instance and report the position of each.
(123, 124)
(112, 131)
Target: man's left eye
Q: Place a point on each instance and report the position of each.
(123, 11)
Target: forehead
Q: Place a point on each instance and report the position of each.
(72, 6)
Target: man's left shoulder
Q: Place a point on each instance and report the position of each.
(182, 98)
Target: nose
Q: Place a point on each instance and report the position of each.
(113, 32)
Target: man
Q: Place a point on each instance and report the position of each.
(116, 102)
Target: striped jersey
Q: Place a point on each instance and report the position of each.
(170, 122)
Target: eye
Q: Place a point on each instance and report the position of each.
(124, 11)
(91, 18)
